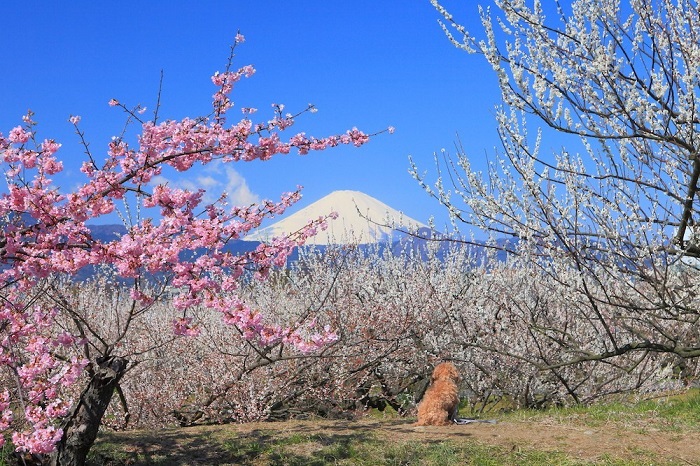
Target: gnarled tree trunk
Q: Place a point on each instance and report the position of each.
(80, 430)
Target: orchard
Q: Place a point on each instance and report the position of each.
(583, 283)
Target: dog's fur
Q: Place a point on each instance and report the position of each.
(441, 401)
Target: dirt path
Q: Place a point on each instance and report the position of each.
(633, 441)
(586, 443)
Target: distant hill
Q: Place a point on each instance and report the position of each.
(362, 220)
(107, 233)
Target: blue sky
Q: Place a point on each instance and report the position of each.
(369, 64)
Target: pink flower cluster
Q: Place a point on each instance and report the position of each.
(251, 324)
(40, 374)
(182, 239)
(184, 327)
(42, 439)
(225, 82)
(6, 416)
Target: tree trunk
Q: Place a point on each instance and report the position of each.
(80, 430)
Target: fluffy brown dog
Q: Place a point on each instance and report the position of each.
(441, 401)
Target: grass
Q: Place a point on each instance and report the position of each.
(671, 422)
(351, 450)
(6, 458)
(670, 413)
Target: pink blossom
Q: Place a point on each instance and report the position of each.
(6, 416)
(50, 147)
(65, 339)
(357, 137)
(183, 326)
(57, 409)
(51, 166)
(42, 440)
(140, 297)
(18, 135)
(183, 240)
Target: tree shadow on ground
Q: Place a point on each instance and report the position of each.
(196, 447)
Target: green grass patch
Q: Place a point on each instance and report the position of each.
(6, 455)
(352, 449)
(385, 439)
(667, 413)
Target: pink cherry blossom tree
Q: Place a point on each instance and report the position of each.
(608, 223)
(61, 359)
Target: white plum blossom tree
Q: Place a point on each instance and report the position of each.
(609, 223)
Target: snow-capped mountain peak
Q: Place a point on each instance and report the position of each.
(361, 219)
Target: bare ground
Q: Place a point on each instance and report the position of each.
(239, 444)
(581, 442)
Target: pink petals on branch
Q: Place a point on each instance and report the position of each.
(18, 135)
(174, 236)
(184, 327)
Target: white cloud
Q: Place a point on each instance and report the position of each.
(216, 178)
(237, 188)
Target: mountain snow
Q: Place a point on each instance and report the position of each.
(362, 219)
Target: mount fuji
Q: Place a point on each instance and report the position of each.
(362, 219)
